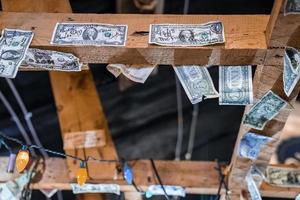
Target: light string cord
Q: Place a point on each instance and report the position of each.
(53, 152)
(27, 116)
(158, 178)
(16, 120)
(6, 146)
(221, 182)
(193, 128)
(179, 120)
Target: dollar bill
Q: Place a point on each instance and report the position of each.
(134, 73)
(92, 34)
(235, 85)
(196, 82)
(96, 188)
(251, 144)
(283, 176)
(171, 190)
(297, 197)
(187, 34)
(264, 110)
(13, 46)
(291, 72)
(252, 187)
(292, 7)
(51, 60)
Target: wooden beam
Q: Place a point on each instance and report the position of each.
(245, 38)
(267, 77)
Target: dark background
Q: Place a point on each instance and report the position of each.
(142, 118)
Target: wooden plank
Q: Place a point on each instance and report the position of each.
(245, 38)
(267, 77)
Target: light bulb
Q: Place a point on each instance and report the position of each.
(22, 159)
(82, 173)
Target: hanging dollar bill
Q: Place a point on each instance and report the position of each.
(292, 7)
(13, 47)
(196, 82)
(264, 110)
(235, 85)
(187, 34)
(89, 34)
(252, 187)
(291, 72)
(134, 73)
(51, 60)
(96, 188)
(251, 144)
(283, 176)
(171, 190)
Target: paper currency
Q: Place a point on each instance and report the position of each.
(196, 82)
(292, 7)
(171, 190)
(89, 34)
(283, 177)
(134, 73)
(251, 144)
(13, 46)
(51, 60)
(264, 110)
(96, 188)
(252, 187)
(12, 190)
(297, 197)
(235, 85)
(187, 34)
(291, 72)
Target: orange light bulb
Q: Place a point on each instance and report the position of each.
(22, 159)
(82, 174)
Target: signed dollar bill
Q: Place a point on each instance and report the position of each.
(134, 73)
(252, 187)
(292, 7)
(196, 82)
(283, 176)
(291, 72)
(264, 110)
(251, 144)
(187, 34)
(96, 188)
(235, 85)
(171, 190)
(89, 34)
(51, 60)
(13, 47)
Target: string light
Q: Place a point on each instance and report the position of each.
(22, 159)
(82, 173)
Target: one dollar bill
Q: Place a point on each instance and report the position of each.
(291, 72)
(264, 110)
(292, 7)
(51, 60)
(187, 34)
(96, 188)
(135, 73)
(283, 176)
(13, 46)
(89, 34)
(196, 82)
(235, 85)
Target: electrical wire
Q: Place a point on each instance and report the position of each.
(16, 120)
(27, 116)
(193, 127)
(179, 121)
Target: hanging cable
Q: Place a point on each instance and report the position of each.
(27, 116)
(186, 6)
(16, 120)
(179, 120)
(159, 179)
(192, 133)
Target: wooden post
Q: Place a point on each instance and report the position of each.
(268, 77)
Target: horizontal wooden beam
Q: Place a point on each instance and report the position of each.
(197, 177)
(245, 38)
